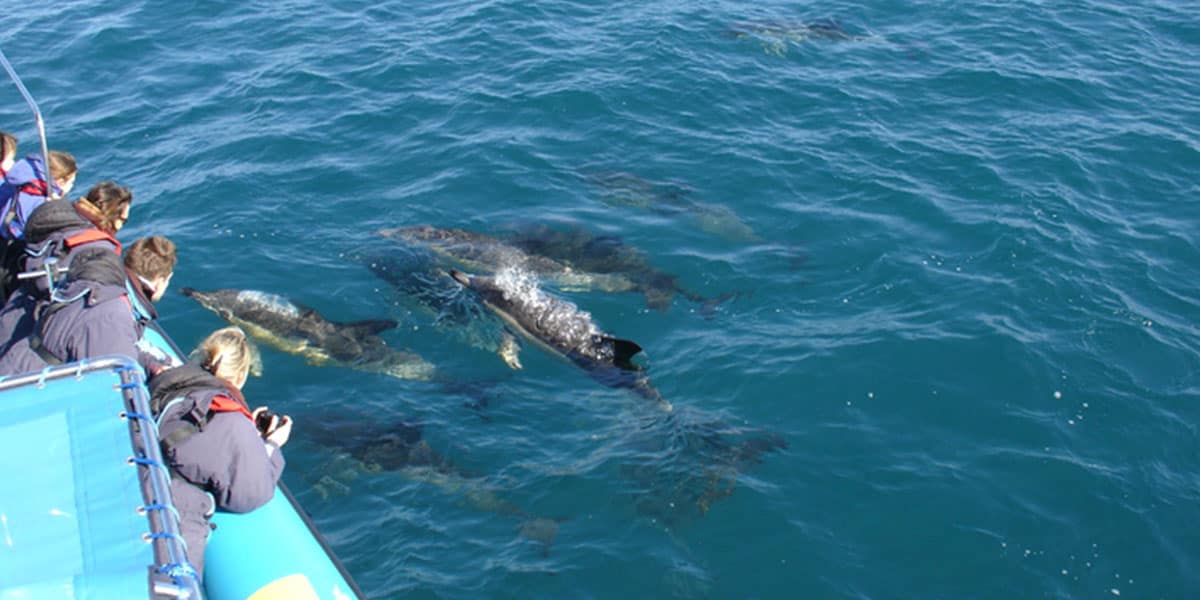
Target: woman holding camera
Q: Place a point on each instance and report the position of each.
(221, 455)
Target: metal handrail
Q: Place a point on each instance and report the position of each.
(160, 484)
(37, 118)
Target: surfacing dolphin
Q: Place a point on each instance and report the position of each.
(295, 329)
(401, 447)
(582, 249)
(486, 254)
(562, 329)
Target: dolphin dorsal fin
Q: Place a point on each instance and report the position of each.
(369, 326)
(623, 351)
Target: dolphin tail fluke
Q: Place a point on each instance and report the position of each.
(541, 530)
(623, 351)
(708, 306)
(370, 326)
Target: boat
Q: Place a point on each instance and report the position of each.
(85, 506)
(77, 520)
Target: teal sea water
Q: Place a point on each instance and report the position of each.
(956, 242)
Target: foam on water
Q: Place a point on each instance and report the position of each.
(569, 326)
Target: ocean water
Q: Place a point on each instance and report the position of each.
(955, 243)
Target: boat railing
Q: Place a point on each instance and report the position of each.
(37, 115)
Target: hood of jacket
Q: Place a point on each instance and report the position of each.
(51, 217)
(185, 380)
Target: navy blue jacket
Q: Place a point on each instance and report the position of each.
(48, 228)
(93, 317)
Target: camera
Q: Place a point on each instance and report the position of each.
(263, 422)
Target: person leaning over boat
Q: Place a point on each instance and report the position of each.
(89, 316)
(24, 188)
(150, 263)
(58, 230)
(218, 457)
(149, 266)
(22, 191)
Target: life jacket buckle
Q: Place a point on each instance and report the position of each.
(50, 270)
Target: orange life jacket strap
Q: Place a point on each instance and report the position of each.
(91, 235)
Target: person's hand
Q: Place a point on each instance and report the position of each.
(281, 431)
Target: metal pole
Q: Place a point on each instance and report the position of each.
(37, 117)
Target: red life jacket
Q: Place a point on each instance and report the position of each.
(91, 235)
(35, 187)
(223, 403)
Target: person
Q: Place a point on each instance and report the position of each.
(8, 155)
(88, 315)
(106, 206)
(22, 192)
(24, 189)
(58, 230)
(149, 266)
(8, 152)
(218, 454)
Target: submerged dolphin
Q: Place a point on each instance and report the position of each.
(482, 253)
(686, 466)
(626, 189)
(562, 329)
(401, 447)
(296, 329)
(580, 248)
(776, 35)
(432, 291)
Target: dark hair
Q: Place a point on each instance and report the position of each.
(151, 257)
(104, 204)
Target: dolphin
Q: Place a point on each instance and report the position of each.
(560, 328)
(775, 36)
(296, 329)
(822, 29)
(432, 291)
(483, 253)
(580, 248)
(688, 465)
(401, 447)
(621, 188)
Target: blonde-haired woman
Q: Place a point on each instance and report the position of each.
(218, 456)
